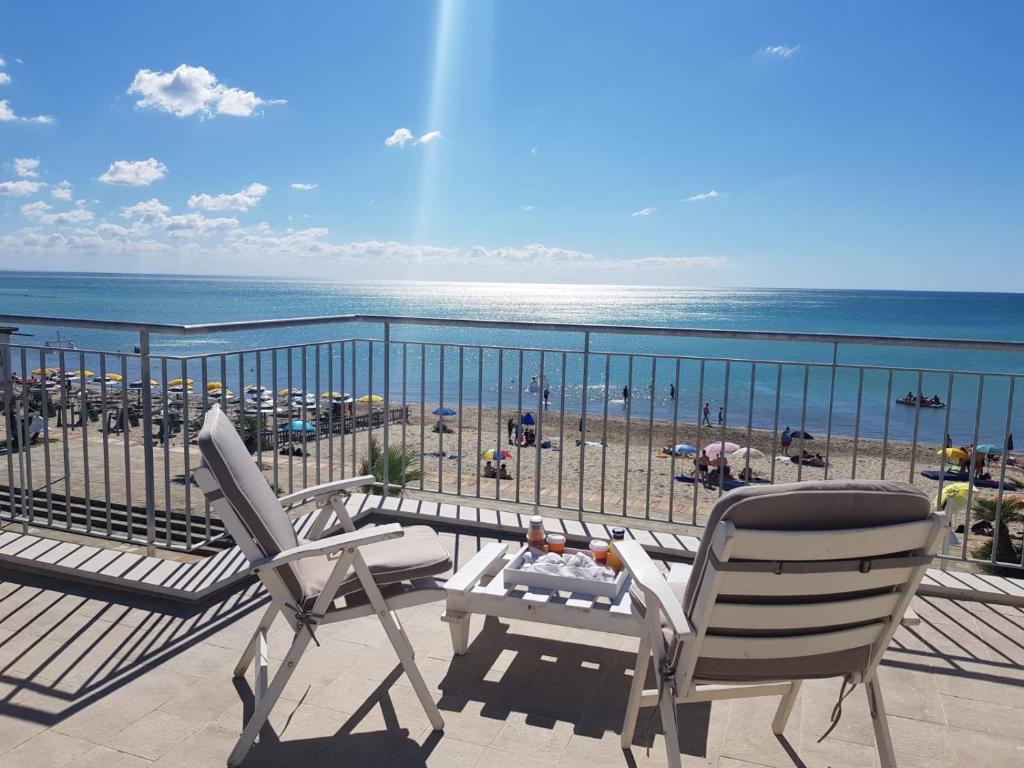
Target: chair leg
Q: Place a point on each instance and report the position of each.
(785, 708)
(405, 654)
(667, 704)
(265, 704)
(250, 648)
(636, 690)
(883, 739)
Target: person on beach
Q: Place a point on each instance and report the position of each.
(625, 394)
(703, 462)
(787, 440)
(489, 470)
(511, 426)
(949, 441)
(721, 415)
(547, 397)
(671, 391)
(504, 475)
(707, 414)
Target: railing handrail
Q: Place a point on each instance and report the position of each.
(202, 329)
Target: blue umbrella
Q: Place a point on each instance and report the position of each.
(988, 448)
(684, 450)
(301, 426)
(527, 420)
(446, 411)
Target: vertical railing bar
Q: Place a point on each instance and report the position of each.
(497, 440)
(243, 420)
(629, 414)
(885, 426)
(318, 391)
(6, 387)
(583, 420)
(725, 420)
(997, 523)
(405, 403)
(330, 411)
(386, 434)
(25, 449)
(186, 397)
(204, 395)
(856, 423)
(522, 431)
(775, 423)
(105, 436)
(480, 417)
(44, 394)
(650, 437)
(542, 385)
(970, 470)
(423, 410)
(440, 405)
(831, 406)
(355, 400)
(288, 418)
(166, 443)
(369, 405)
(700, 424)
(65, 403)
(126, 435)
(945, 431)
(561, 430)
(462, 378)
(604, 426)
(83, 398)
(675, 439)
(750, 417)
(803, 426)
(350, 407)
(147, 443)
(917, 423)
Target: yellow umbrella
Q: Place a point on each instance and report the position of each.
(80, 374)
(47, 371)
(179, 382)
(953, 453)
(370, 399)
(214, 385)
(956, 491)
(328, 395)
(284, 392)
(115, 377)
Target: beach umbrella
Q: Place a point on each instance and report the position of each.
(527, 420)
(114, 377)
(952, 453)
(489, 454)
(80, 374)
(445, 411)
(958, 491)
(744, 453)
(988, 449)
(682, 449)
(300, 426)
(797, 435)
(138, 384)
(284, 392)
(713, 449)
(370, 399)
(47, 371)
(179, 382)
(214, 385)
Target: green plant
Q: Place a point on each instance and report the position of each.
(249, 432)
(402, 464)
(1012, 511)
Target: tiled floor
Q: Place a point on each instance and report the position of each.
(94, 678)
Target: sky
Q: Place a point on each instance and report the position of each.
(764, 144)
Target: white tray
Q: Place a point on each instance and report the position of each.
(514, 576)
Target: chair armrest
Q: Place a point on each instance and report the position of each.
(327, 489)
(332, 544)
(910, 618)
(646, 574)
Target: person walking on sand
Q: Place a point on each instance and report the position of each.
(625, 394)
(721, 415)
(787, 440)
(671, 391)
(707, 414)
(547, 397)
(511, 425)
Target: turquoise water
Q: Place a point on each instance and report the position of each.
(988, 316)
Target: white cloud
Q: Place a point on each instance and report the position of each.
(644, 212)
(20, 188)
(25, 167)
(3, 63)
(403, 136)
(193, 90)
(34, 210)
(74, 216)
(4, 78)
(303, 187)
(703, 196)
(62, 191)
(780, 51)
(239, 201)
(400, 138)
(527, 207)
(7, 116)
(134, 173)
(151, 207)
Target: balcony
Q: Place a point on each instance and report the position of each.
(124, 603)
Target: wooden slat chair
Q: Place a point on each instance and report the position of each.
(338, 574)
(791, 582)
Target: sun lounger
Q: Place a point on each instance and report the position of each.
(791, 582)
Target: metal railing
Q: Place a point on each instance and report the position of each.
(589, 423)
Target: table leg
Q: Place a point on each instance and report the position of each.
(458, 625)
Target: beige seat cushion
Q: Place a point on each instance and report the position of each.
(418, 553)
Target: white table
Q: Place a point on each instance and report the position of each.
(478, 587)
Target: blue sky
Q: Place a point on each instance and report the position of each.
(846, 144)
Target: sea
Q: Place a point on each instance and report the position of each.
(764, 383)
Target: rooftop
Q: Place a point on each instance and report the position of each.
(94, 677)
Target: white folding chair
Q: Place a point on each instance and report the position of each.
(790, 582)
(338, 574)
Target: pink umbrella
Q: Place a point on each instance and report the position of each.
(713, 449)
